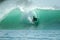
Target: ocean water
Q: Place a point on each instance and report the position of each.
(47, 20)
(15, 25)
(29, 34)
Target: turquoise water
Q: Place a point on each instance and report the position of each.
(47, 20)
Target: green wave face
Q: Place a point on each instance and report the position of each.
(47, 20)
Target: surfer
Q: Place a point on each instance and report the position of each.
(35, 21)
